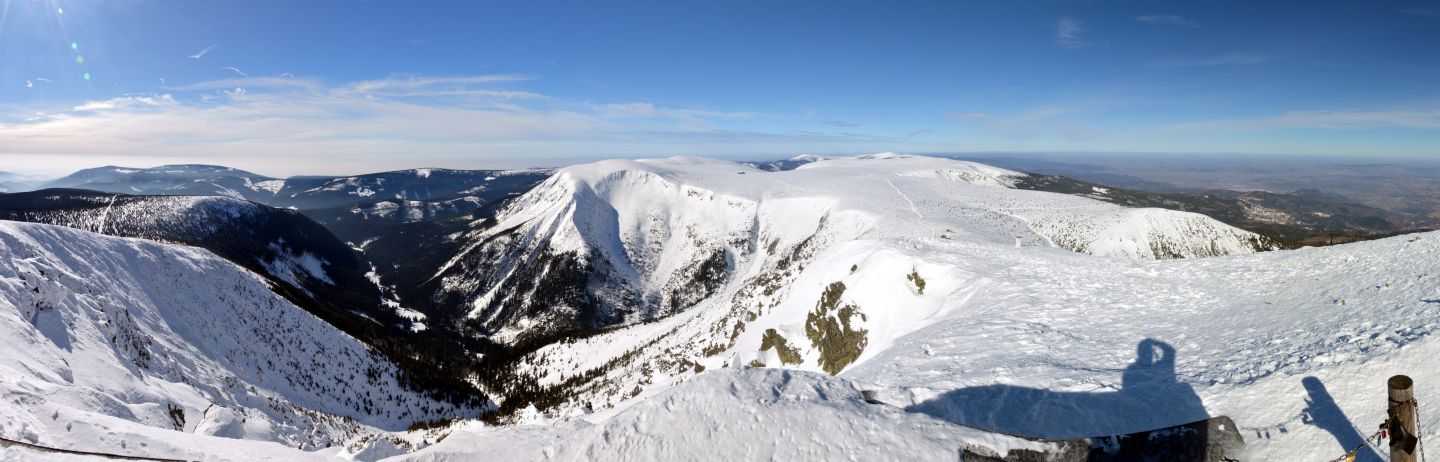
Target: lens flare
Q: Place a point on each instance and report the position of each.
(74, 46)
(59, 11)
(86, 76)
(79, 59)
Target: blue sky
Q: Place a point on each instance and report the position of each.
(287, 87)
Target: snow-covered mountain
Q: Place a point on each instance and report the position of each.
(17, 182)
(317, 269)
(195, 180)
(1304, 217)
(106, 336)
(303, 192)
(410, 189)
(617, 242)
(787, 164)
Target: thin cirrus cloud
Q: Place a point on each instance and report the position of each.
(1070, 33)
(1037, 123)
(1423, 12)
(1343, 119)
(1167, 19)
(286, 125)
(1222, 60)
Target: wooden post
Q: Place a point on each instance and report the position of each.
(1402, 419)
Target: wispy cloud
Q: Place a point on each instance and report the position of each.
(235, 70)
(314, 126)
(1070, 33)
(843, 124)
(1342, 119)
(30, 83)
(251, 82)
(969, 117)
(203, 52)
(1035, 123)
(126, 102)
(1424, 12)
(690, 118)
(404, 83)
(1167, 19)
(919, 132)
(1222, 60)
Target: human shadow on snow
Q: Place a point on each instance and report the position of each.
(1321, 411)
(1150, 397)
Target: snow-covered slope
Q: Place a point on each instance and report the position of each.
(303, 192)
(424, 184)
(103, 333)
(787, 164)
(282, 244)
(201, 180)
(620, 241)
(1295, 346)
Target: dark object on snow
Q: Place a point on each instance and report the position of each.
(1065, 420)
(1211, 440)
(1402, 419)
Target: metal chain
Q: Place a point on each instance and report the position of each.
(1419, 434)
(1376, 437)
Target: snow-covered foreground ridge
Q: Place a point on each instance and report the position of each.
(109, 340)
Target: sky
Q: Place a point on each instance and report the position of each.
(339, 87)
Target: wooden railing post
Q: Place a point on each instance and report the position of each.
(1403, 439)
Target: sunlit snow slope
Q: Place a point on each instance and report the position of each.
(102, 333)
(620, 241)
(1295, 346)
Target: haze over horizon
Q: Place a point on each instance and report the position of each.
(281, 88)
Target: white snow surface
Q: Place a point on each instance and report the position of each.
(754, 414)
(1294, 345)
(133, 347)
(273, 186)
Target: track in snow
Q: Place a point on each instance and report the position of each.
(104, 216)
(907, 199)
